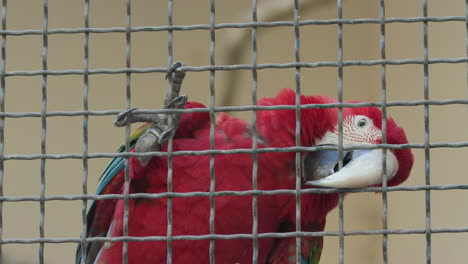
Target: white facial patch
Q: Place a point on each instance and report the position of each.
(361, 170)
(357, 130)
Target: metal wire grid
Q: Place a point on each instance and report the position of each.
(85, 132)
(212, 132)
(128, 91)
(45, 38)
(254, 135)
(384, 128)
(254, 67)
(298, 128)
(2, 119)
(427, 163)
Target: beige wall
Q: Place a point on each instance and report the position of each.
(149, 49)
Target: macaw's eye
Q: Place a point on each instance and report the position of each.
(362, 123)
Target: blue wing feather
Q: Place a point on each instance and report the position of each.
(112, 169)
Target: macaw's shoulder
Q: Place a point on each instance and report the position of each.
(279, 126)
(192, 122)
(287, 117)
(232, 126)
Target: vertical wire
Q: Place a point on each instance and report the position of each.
(427, 164)
(2, 119)
(383, 79)
(254, 136)
(85, 134)
(128, 105)
(340, 127)
(45, 40)
(298, 128)
(466, 45)
(212, 129)
(170, 33)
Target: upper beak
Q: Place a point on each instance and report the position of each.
(361, 168)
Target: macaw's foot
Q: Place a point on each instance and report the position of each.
(162, 130)
(165, 124)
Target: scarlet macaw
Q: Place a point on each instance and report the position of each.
(233, 214)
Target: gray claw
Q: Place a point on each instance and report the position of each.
(175, 76)
(178, 102)
(173, 68)
(161, 133)
(165, 135)
(123, 118)
(129, 117)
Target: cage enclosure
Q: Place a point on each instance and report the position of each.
(68, 67)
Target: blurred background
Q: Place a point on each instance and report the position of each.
(275, 45)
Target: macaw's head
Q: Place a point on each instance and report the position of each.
(361, 167)
(319, 127)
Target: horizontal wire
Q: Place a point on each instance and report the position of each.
(234, 25)
(231, 193)
(229, 151)
(237, 108)
(240, 67)
(239, 236)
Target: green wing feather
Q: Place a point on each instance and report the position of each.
(315, 253)
(117, 164)
(112, 169)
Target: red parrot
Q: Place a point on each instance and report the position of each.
(233, 214)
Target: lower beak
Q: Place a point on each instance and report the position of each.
(361, 168)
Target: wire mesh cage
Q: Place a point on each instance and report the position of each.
(68, 67)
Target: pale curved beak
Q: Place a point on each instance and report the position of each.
(361, 168)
